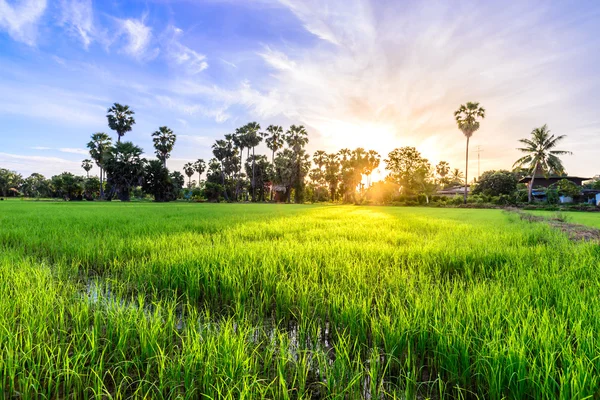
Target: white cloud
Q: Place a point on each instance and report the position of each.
(192, 61)
(74, 151)
(385, 75)
(138, 37)
(47, 166)
(21, 20)
(77, 17)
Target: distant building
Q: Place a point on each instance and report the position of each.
(543, 181)
(451, 192)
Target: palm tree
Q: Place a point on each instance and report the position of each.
(164, 140)
(199, 167)
(87, 166)
(466, 118)
(540, 154)
(189, 170)
(457, 176)
(253, 139)
(274, 140)
(372, 162)
(442, 169)
(99, 146)
(220, 151)
(120, 119)
(296, 137)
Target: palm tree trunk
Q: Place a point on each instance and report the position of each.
(273, 164)
(253, 177)
(101, 183)
(199, 179)
(223, 181)
(530, 191)
(466, 170)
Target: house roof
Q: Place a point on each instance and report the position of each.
(526, 179)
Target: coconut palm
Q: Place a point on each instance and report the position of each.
(120, 119)
(189, 170)
(164, 140)
(541, 156)
(87, 166)
(467, 120)
(457, 177)
(199, 167)
(99, 146)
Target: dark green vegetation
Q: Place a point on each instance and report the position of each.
(117, 300)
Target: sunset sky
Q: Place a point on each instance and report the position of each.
(377, 74)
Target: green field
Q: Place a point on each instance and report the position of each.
(114, 300)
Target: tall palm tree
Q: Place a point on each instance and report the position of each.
(87, 166)
(164, 140)
(189, 170)
(274, 140)
(372, 162)
(540, 154)
(442, 169)
(199, 167)
(253, 139)
(221, 151)
(296, 137)
(99, 147)
(120, 119)
(467, 120)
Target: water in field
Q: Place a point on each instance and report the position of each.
(265, 301)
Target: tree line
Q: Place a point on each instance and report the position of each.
(288, 173)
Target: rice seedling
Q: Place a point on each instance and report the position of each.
(262, 301)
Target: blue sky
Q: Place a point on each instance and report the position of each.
(377, 74)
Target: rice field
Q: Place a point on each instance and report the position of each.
(234, 301)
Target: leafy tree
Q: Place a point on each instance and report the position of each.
(9, 180)
(496, 183)
(164, 140)
(567, 188)
(404, 164)
(189, 170)
(199, 167)
(124, 168)
(91, 187)
(161, 184)
(120, 119)
(541, 154)
(68, 186)
(87, 166)
(99, 147)
(425, 180)
(467, 120)
(36, 185)
(296, 137)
